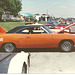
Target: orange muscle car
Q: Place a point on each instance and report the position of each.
(37, 36)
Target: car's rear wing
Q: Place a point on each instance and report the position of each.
(2, 30)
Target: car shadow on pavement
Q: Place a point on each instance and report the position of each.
(37, 50)
(42, 50)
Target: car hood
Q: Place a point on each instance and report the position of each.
(2, 30)
(62, 21)
(66, 27)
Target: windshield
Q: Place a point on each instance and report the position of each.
(48, 29)
(55, 23)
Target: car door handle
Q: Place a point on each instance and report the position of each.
(28, 36)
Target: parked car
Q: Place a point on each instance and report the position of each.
(49, 24)
(37, 36)
(55, 26)
(60, 26)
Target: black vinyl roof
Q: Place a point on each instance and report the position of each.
(22, 27)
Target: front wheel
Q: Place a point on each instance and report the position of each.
(8, 47)
(66, 46)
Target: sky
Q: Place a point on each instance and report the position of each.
(56, 8)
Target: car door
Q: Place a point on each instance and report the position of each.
(37, 39)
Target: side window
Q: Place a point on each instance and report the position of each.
(25, 31)
(38, 30)
(33, 30)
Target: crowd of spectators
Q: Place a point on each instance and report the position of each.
(34, 19)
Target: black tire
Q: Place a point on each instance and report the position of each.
(8, 47)
(24, 69)
(29, 60)
(66, 46)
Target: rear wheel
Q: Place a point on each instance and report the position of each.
(66, 46)
(9, 47)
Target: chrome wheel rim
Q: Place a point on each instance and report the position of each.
(66, 46)
(9, 47)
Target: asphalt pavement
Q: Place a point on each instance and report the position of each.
(52, 63)
(42, 62)
(4, 61)
(4, 55)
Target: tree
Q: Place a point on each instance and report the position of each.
(18, 7)
(1, 10)
(11, 6)
(15, 6)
